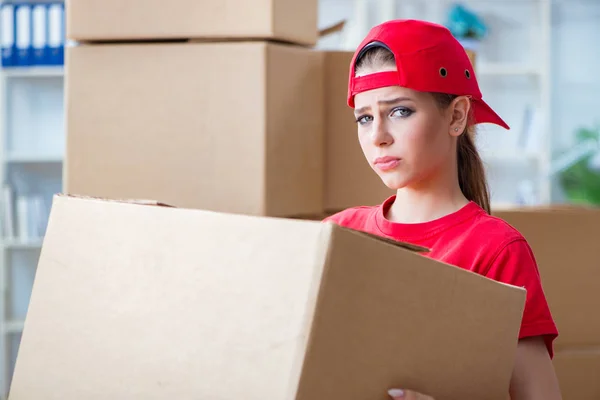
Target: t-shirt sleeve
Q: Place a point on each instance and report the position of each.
(515, 264)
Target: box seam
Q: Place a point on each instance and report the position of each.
(312, 310)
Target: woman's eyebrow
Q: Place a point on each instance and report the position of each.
(383, 102)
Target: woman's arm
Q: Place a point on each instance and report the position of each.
(533, 376)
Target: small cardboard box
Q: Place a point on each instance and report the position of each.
(349, 180)
(578, 372)
(128, 20)
(235, 127)
(565, 243)
(146, 302)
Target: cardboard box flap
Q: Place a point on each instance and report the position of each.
(334, 28)
(170, 303)
(404, 245)
(142, 202)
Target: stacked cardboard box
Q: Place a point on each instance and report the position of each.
(566, 244)
(204, 104)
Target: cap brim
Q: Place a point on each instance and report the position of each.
(483, 113)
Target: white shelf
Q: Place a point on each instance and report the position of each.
(31, 110)
(503, 205)
(484, 69)
(32, 72)
(18, 244)
(33, 158)
(13, 327)
(512, 157)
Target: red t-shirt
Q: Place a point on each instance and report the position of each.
(474, 240)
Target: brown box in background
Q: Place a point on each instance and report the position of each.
(126, 20)
(192, 304)
(578, 373)
(472, 57)
(566, 245)
(349, 180)
(231, 127)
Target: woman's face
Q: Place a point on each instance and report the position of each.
(405, 135)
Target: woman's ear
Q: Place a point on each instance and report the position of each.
(460, 109)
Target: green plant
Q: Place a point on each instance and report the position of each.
(580, 181)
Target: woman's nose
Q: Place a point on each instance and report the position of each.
(380, 135)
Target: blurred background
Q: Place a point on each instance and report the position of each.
(537, 62)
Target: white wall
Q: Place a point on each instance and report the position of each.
(576, 66)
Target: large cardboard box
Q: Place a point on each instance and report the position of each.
(578, 373)
(126, 20)
(138, 301)
(349, 180)
(565, 242)
(233, 127)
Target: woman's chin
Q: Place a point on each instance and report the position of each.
(394, 181)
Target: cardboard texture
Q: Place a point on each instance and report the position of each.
(472, 57)
(578, 374)
(126, 20)
(234, 127)
(136, 301)
(349, 180)
(564, 241)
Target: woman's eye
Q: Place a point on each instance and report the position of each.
(401, 112)
(364, 119)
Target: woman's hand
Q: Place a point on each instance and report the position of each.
(401, 394)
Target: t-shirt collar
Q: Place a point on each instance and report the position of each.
(403, 231)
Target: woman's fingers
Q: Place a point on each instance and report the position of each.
(400, 394)
(397, 394)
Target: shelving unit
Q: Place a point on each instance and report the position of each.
(31, 156)
(13, 327)
(537, 72)
(30, 72)
(32, 159)
(16, 244)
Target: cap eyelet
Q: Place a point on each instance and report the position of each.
(468, 74)
(443, 72)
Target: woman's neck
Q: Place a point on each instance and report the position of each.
(426, 202)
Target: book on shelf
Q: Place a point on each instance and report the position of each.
(8, 225)
(532, 135)
(33, 33)
(24, 216)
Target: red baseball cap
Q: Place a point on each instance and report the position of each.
(428, 59)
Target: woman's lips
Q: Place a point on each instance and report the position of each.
(386, 163)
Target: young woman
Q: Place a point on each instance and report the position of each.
(416, 101)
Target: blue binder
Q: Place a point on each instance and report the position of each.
(23, 34)
(56, 33)
(39, 19)
(7, 24)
